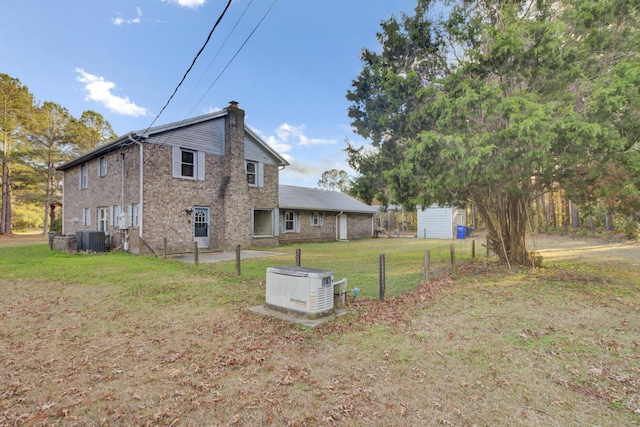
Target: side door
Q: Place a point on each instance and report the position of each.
(201, 226)
(343, 227)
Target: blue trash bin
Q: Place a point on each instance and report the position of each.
(462, 231)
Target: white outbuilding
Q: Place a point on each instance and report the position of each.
(437, 222)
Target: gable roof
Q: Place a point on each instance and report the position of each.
(143, 134)
(312, 199)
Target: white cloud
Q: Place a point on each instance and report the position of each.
(193, 4)
(308, 166)
(286, 131)
(99, 90)
(209, 110)
(120, 21)
(280, 146)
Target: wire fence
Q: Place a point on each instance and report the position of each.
(402, 272)
(407, 262)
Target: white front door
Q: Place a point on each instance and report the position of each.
(343, 227)
(201, 226)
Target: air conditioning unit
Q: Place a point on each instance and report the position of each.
(91, 240)
(302, 290)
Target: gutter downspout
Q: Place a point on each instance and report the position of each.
(125, 238)
(140, 202)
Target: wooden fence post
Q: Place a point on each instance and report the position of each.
(298, 257)
(453, 259)
(195, 253)
(473, 250)
(238, 263)
(381, 274)
(164, 248)
(427, 260)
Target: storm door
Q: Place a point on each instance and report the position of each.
(201, 226)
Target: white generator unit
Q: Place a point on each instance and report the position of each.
(308, 291)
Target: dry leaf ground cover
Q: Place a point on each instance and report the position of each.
(122, 340)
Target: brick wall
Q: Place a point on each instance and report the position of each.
(312, 233)
(101, 191)
(167, 208)
(358, 227)
(68, 244)
(169, 202)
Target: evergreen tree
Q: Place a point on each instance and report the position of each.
(15, 103)
(533, 95)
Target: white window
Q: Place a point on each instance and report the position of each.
(291, 222)
(86, 216)
(84, 176)
(102, 166)
(252, 171)
(316, 218)
(188, 164)
(103, 219)
(263, 223)
(135, 215)
(255, 173)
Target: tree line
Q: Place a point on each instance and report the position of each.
(503, 106)
(36, 138)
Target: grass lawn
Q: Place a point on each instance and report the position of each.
(122, 340)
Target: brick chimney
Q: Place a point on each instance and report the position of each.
(234, 191)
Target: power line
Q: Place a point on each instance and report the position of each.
(191, 66)
(235, 54)
(226, 66)
(220, 49)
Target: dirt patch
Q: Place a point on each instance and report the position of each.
(19, 239)
(556, 248)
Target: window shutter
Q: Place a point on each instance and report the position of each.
(296, 222)
(112, 211)
(129, 216)
(260, 174)
(276, 222)
(200, 165)
(283, 218)
(176, 154)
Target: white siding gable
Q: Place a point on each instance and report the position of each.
(256, 152)
(207, 137)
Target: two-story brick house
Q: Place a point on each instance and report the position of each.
(208, 179)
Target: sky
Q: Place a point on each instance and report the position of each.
(288, 63)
